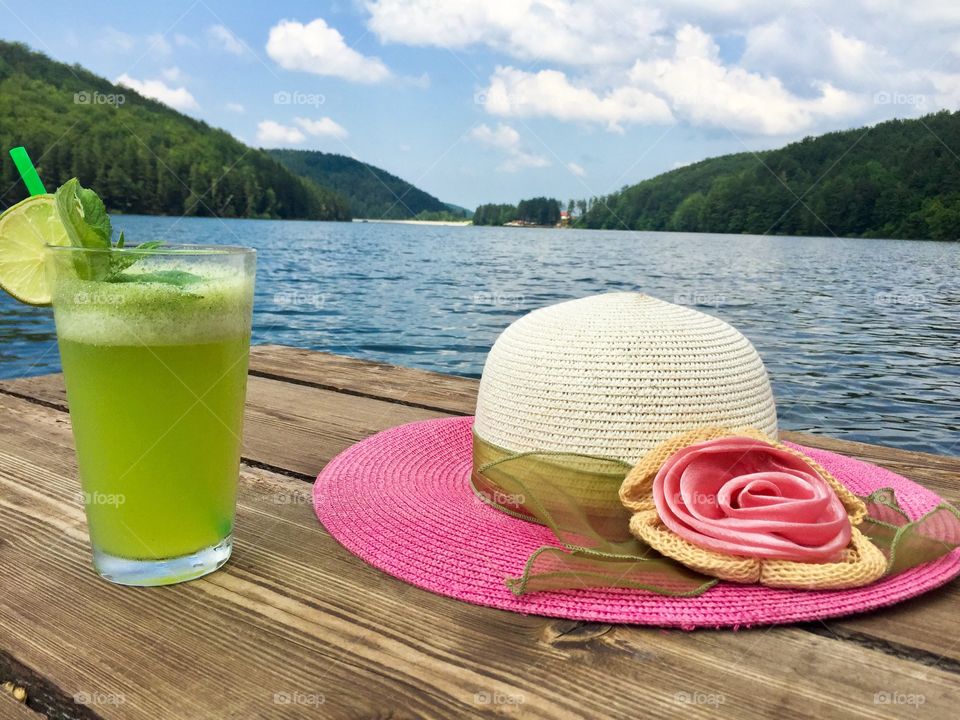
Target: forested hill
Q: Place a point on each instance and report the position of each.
(139, 155)
(898, 179)
(370, 191)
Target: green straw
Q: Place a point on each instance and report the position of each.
(27, 171)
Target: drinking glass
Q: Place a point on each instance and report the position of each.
(154, 347)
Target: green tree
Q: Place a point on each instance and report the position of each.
(139, 155)
(897, 179)
(688, 217)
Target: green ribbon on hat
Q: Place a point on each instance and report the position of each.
(577, 497)
(908, 543)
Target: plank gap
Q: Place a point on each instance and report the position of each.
(43, 696)
(293, 474)
(888, 647)
(34, 400)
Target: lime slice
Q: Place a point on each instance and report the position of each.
(25, 230)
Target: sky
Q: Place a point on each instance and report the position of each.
(498, 100)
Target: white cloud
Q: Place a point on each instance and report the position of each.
(178, 98)
(171, 74)
(504, 136)
(702, 90)
(549, 93)
(181, 40)
(270, 132)
(946, 93)
(157, 44)
(805, 65)
(566, 31)
(324, 127)
(223, 38)
(235, 107)
(116, 40)
(692, 84)
(576, 169)
(507, 140)
(421, 81)
(320, 49)
(852, 55)
(805, 51)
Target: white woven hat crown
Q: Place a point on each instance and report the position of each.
(615, 375)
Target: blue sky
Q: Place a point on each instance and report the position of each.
(505, 99)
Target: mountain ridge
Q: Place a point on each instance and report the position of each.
(371, 192)
(138, 154)
(896, 179)
(142, 156)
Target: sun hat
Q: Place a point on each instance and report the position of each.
(586, 410)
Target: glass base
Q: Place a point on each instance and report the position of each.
(168, 571)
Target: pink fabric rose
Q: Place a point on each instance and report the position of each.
(741, 496)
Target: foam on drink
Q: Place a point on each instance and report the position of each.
(215, 307)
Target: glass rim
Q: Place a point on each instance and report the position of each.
(179, 250)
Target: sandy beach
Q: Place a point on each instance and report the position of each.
(447, 223)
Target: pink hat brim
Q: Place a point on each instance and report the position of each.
(401, 500)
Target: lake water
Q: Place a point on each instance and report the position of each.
(860, 337)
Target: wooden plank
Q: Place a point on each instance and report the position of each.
(435, 391)
(310, 367)
(286, 426)
(47, 389)
(44, 699)
(299, 428)
(937, 472)
(877, 454)
(11, 709)
(927, 623)
(294, 617)
(457, 396)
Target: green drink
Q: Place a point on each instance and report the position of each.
(155, 361)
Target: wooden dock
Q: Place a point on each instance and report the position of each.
(295, 626)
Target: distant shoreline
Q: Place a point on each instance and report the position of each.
(446, 223)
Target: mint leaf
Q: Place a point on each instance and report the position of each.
(121, 261)
(180, 278)
(84, 215)
(87, 223)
